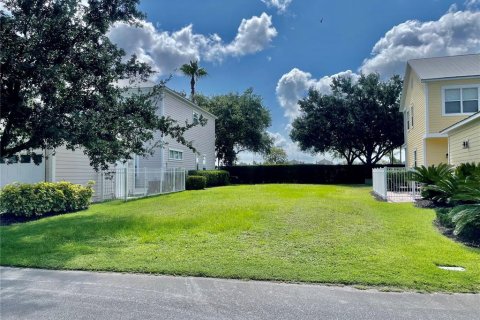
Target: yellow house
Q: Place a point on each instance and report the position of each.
(440, 104)
(464, 140)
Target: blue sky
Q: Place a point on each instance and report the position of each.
(283, 47)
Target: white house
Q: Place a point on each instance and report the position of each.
(74, 166)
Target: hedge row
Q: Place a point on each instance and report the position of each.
(302, 173)
(195, 183)
(215, 178)
(29, 200)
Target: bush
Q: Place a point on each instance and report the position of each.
(301, 173)
(466, 219)
(467, 170)
(196, 183)
(430, 176)
(214, 178)
(30, 200)
(444, 218)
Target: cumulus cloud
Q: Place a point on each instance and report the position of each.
(294, 84)
(456, 32)
(280, 5)
(472, 4)
(166, 51)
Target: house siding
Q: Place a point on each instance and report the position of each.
(436, 151)
(458, 154)
(73, 166)
(202, 137)
(438, 121)
(415, 96)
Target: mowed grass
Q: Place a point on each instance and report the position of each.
(286, 232)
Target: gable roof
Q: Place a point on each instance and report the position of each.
(437, 68)
(446, 67)
(461, 123)
(137, 84)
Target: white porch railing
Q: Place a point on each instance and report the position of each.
(131, 183)
(395, 184)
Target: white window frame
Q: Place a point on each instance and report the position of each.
(175, 150)
(415, 158)
(197, 120)
(407, 122)
(464, 86)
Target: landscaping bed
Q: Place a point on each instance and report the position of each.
(285, 232)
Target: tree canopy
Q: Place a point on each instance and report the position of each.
(58, 82)
(359, 120)
(194, 71)
(276, 155)
(241, 124)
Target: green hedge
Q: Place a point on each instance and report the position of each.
(214, 178)
(195, 183)
(30, 200)
(301, 173)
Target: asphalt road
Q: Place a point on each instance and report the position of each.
(44, 294)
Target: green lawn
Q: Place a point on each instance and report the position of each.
(313, 233)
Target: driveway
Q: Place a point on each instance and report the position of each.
(45, 294)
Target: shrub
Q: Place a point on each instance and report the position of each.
(429, 176)
(196, 183)
(301, 173)
(467, 170)
(214, 178)
(29, 200)
(466, 219)
(444, 218)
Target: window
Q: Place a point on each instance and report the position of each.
(460, 100)
(415, 158)
(175, 154)
(25, 158)
(408, 119)
(204, 162)
(411, 116)
(196, 117)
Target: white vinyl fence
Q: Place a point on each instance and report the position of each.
(395, 184)
(131, 183)
(22, 171)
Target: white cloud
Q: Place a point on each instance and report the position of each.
(294, 84)
(166, 51)
(472, 4)
(456, 32)
(280, 5)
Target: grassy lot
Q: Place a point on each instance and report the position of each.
(314, 233)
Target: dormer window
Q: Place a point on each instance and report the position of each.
(460, 100)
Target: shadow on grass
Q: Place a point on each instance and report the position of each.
(52, 242)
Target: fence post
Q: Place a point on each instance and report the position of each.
(174, 179)
(162, 175)
(125, 195)
(102, 191)
(385, 181)
(145, 181)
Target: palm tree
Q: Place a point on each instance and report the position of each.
(193, 71)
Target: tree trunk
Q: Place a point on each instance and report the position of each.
(192, 87)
